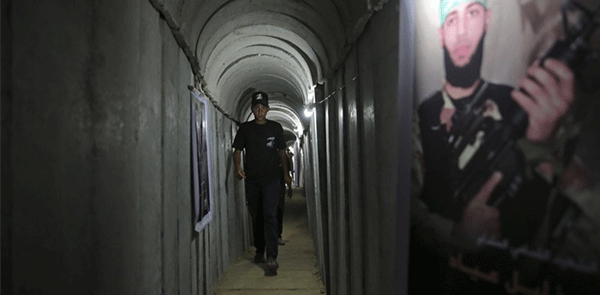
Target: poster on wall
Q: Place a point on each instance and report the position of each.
(506, 169)
(201, 164)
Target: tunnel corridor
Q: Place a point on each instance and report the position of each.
(96, 162)
(119, 117)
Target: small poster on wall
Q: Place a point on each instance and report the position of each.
(201, 164)
(506, 193)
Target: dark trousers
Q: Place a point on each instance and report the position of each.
(280, 208)
(262, 198)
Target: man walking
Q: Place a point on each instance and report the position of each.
(281, 206)
(264, 147)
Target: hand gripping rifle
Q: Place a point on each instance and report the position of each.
(495, 141)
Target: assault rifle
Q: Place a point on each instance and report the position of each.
(494, 142)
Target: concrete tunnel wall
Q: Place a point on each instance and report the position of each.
(352, 209)
(98, 158)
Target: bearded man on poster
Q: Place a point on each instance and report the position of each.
(546, 93)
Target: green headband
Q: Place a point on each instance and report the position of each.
(447, 5)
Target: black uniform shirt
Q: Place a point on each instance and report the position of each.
(262, 143)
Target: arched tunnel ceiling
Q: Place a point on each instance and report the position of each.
(280, 112)
(281, 47)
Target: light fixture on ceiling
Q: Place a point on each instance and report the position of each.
(309, 110)
(298, 129)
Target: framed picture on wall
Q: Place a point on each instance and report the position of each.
(201, 164)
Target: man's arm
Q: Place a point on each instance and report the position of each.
(286, 169)
(290, 164)
(237, 158)
(548, 97)
(549, 94)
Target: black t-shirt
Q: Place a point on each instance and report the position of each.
(262, 143)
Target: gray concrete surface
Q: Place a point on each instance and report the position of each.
(361, 124)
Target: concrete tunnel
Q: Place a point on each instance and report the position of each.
(96, 185)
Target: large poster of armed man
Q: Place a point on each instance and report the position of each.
(506, 167)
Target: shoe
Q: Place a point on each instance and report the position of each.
(259, 258)
(280, 241)
(272, 267)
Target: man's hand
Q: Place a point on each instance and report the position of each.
(288, 182)
(550, 94)
(479, 219)
(240, 174)
(237, 160)
(289, 192)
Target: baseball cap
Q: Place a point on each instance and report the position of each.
(260, 97)
(447, 5)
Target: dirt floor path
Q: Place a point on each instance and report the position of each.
(298, 272)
